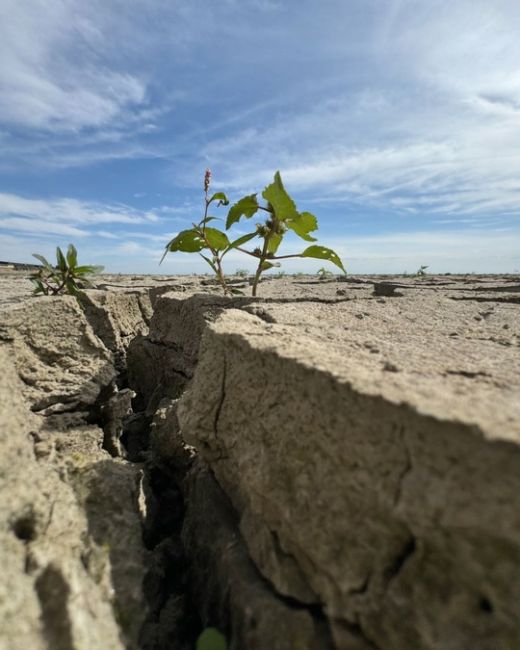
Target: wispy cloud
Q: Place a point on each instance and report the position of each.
(68, 211)
(51, 74)
(395, 107)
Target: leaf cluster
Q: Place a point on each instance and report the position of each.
(282, 215)
(66, 277)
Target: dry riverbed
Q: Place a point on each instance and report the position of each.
(335, 464)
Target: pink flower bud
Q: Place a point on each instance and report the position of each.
(207, 179)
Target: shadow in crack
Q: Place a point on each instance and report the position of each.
(136, 514)
(111, 500)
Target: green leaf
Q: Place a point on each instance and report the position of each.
(283, 206)
(216, 238)
(220, 197)
(303, 224)
(45, 263)
(243, 240)
(72, 256)
(60, 258)
(187, 241)
(71, 287)
(247, 206)
(265, 266)
(322, 253)
(274, 243)
(39, 288)
(88, 270)
(211, 639)
(210, 262)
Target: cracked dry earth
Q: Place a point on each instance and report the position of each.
(332, 465)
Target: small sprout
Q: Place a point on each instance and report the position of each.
(66, 277)
(421, 272)
(242, 273)
(203, 238)
(324, 273)
(282, 217)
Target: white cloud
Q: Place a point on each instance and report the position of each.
(41, 227)
(68, 211)
(405, 106)
(433, 126)
(51, 74)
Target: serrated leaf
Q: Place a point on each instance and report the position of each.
(211, 639)
(60, 259)
(303, 224)
(322, 253)
(246, 207)
(187, 241)
(283, 206)
(274, 243)
(72, 256)
(220, 197)
(216, 238)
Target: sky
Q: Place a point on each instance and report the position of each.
(395, 122)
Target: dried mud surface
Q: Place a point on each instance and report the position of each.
(335, 464)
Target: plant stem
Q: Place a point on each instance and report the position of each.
(262, 259)
(220, 276)
(243, 250)
(275, 257)
(216, 256)
(205, 215)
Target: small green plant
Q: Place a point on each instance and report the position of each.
(421, 272)
(65, 277)
(324, 273)
(211, 639)
(242, 273)
(282, 216)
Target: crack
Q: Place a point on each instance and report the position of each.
(260, 312)
(407, 468)
(49, 518)
(222, 398)
(145, 314)
(363, 587)
(397, 565)
(356, 631)
(468, 373)
(507, 299)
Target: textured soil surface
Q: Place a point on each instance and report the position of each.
(335, 464)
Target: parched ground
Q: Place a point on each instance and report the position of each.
(347, 452)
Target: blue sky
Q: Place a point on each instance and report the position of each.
(396, 122)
